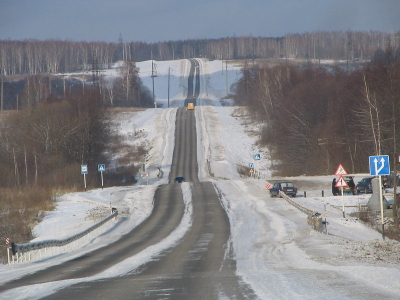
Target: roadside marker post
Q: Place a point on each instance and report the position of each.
(8, 242)
(326, 223)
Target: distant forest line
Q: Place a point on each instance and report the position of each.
(314, 118)
(31, 57)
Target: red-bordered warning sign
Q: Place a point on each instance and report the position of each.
(340, 171)
(341, 182)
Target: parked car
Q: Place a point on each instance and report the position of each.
(365, 185)
(285, 186)
(179, 179)
(351, 188)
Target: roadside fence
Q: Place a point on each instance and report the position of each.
(21, 253)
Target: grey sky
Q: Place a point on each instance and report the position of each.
(165, 20)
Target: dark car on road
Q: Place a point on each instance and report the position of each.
(351, 186)
(285, 186)
(179, 179)
(365, 185)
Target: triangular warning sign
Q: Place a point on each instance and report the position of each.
(341, 182)
(340, 171)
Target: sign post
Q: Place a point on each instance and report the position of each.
(378, 166)
(257, 157)
(251, 167)
(101, 169)
(342, 183)
(84, 171)
(340, 171)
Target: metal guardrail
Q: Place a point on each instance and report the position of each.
(303, 209)
(23, 252)
(314, 218)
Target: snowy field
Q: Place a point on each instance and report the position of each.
(277, 252)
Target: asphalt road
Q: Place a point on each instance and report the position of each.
(200, 266)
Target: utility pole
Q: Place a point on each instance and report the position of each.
(95, 71)
(121, 45)
(349, 48)
(169, 74)
(63, 76)
(226, 72)
(2, 92)
(127, 81)
(83, 80)
(153, 75)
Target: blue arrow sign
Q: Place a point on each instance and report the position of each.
(379, 165)
(251, 165)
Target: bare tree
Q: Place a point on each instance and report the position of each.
(371, 116)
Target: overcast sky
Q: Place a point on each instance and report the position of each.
(165, 20)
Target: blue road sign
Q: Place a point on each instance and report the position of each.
(379, 165)
(251, 165)
(84, 169)
(257, 156)
(101, 168)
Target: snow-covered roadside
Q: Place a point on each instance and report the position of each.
(216, 78)
(226, 144)
(75, 211)
(176, 70)
(277, 253)
(41, 290)
(281, 257)
(73, 214)
(157, 129)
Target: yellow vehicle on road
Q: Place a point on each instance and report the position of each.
(190, 106)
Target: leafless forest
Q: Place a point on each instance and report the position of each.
(315, 118)
(58, 127)
(57, 56)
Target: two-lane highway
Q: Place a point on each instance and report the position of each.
(200, 266)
